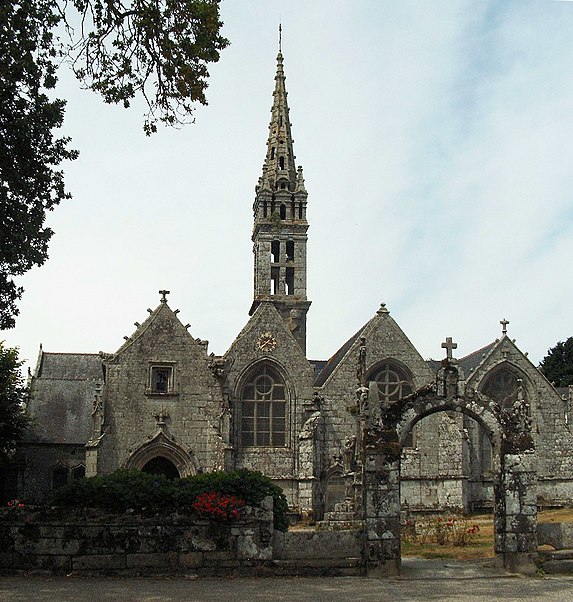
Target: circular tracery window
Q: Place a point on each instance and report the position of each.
(393, 382)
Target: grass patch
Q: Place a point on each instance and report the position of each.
(481, 545)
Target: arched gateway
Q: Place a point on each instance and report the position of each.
(383, 428)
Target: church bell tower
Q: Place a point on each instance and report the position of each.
(280, 226)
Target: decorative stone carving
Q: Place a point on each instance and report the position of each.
(217, 365)
(97, 411)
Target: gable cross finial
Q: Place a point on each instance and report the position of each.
(164, 294)
(449, 346)
(504, 324)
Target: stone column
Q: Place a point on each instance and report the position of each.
(516, 513)
(381, 502)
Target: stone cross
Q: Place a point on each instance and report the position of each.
(161, 416)
(164, 294)
(504, 324)
(449, 346)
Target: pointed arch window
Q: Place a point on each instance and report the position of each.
(263, 408)
(60, 476)
(504, 386)
(393, 381)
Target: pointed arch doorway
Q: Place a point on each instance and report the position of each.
(161, 455)
(161, 466)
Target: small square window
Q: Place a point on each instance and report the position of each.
(161, 379)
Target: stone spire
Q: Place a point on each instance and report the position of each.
(280, 225)
(279, 170)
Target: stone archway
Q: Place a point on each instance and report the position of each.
(161, 446)
(383, 428)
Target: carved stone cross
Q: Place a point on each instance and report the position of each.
(504, 324)
(164, 294)
(449, 346)
(161, 416)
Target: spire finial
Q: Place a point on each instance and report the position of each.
(280, 36)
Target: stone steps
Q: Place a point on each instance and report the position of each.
(319, 567)
(556, 561)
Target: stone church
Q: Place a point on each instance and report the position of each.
(163, 403)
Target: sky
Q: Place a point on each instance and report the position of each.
(436, 140)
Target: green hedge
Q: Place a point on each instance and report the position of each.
(146, 493)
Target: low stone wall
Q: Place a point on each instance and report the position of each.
(318, 553)
(63, 541)
(558, 535)
(311, 545)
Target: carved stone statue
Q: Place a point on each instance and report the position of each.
(349, 453)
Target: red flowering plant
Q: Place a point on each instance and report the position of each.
(15, 504)
(218, 507)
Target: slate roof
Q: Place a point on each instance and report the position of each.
(70, 366)
(468, 363)
(61, 397)
(331, 364)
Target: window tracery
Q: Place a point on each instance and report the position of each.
(503, 386)
(263, 408)
(393, 382)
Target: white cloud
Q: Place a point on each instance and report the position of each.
(435, 139)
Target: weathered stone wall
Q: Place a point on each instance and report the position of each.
(318, 553)
(281, 464)
(558, 535)
(62, 541)
(38, 461)
(384, 340)
(190, 411)
(553, 435)
(310, 545)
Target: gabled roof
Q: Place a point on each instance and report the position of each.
(333, 362)
(162, 308)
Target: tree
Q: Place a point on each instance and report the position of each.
(557, 365)
(13, 419)
(159, 49)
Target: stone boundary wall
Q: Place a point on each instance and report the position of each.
(558, 535)
(65, 541)
(318, 553)
(88, 541)
(310, 545)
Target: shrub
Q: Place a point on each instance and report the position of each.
(147, 493)
(118, 492)
(251, 486)
(218, 507)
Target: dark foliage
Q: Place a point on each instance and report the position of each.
(13, 420)
(30, 184)
(159, 49)
(557, 365)
(148, 493)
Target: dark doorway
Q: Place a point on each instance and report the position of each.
(163, 466)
